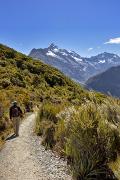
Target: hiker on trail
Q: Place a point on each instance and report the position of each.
(15, 114)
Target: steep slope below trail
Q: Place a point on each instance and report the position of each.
(107, 82)
(25, 158)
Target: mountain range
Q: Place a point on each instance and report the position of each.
(72, 64)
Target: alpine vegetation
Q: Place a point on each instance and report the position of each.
(80, 125)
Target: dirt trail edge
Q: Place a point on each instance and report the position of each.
(24, 158)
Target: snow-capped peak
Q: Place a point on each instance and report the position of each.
(56, 50)
(52, 46)
(72, 64)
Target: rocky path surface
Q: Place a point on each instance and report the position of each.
(24, 158)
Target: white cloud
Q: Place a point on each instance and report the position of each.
(113, 41)
(90, 49)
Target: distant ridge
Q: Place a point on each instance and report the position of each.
(107, 82)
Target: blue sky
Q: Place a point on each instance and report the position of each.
(81, 25)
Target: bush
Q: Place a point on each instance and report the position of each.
(5, 83)
(54, 80)
(48, 139)
(17, 82)
(86, 135)
(49, 112)
(46, 123)
(91, 145)
(10, 54)
(46, 129)
(2, 125)
(3, 63)
(20, 64)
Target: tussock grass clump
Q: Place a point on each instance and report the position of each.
(46, 123)
(91, 143)
(87, 135)
(49, 111)
(115, 166)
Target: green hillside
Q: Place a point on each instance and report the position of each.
(24, 79)
(81, 126)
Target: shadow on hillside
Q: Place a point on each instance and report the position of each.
(11, 137)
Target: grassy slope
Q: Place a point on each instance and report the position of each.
(69, 113)
(24, 79)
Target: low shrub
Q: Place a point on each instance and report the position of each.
(49, 111)
(85, 134)
(48, 139)
(2, 125)
(91, 143)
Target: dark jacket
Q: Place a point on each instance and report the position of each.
(11, 111)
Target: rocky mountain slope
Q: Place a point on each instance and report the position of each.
(107, 82)
(72, 64)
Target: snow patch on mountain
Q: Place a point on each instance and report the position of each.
(115, 56)
(64, 54)
(56, 50)
(77, 59)
(101, 61)
(50, 53)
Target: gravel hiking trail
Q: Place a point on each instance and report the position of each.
(24, 158)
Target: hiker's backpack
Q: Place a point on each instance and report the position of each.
(15, 112)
